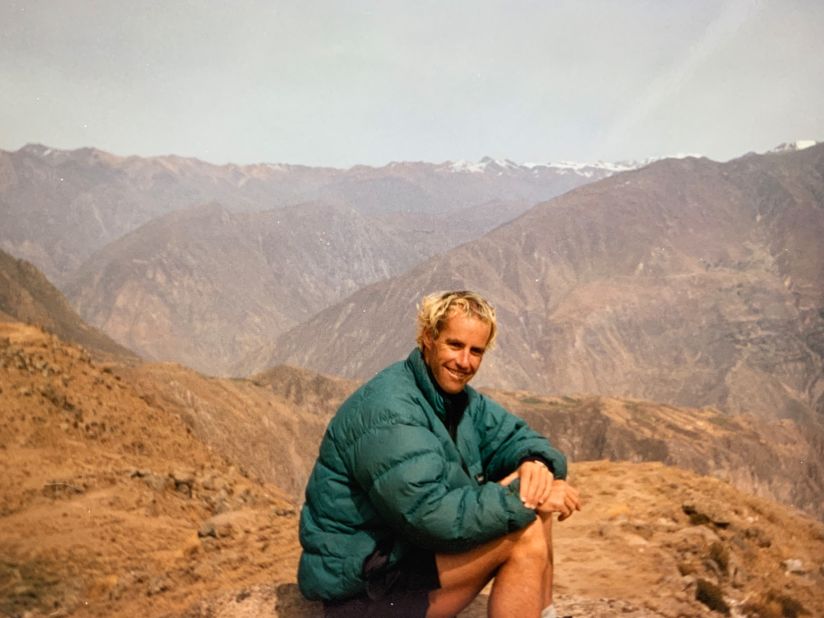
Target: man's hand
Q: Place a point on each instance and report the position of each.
(558, 497)
(563, 499)
(536, 483)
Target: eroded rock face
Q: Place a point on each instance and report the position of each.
(776, 459)
(202, 285)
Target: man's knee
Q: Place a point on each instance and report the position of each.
(547, 526)
(531, 543)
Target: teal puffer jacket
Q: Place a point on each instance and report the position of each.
(388, 470)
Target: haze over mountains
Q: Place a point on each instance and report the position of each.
(183, 260)
(60, 206)
(204, 285)
(687, 281)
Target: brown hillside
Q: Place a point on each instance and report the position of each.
(27, 296)
(272, 423)
(269, 426)
(109, 505)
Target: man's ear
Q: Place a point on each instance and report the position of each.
(428, 340)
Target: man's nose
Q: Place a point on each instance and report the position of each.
(463, 358)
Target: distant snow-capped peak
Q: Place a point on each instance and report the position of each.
(37, 150)
(482, 165)
(799, 144)
(588, 169)
(584, 167)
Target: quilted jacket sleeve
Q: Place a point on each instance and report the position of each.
(506, 440)
(425, 497)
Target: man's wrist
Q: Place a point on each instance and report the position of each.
(537, 459)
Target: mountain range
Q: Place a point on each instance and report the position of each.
(61, 206)
(267, 422)
(183, 260)
(687, 282)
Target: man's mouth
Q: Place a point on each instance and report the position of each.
(457, 375)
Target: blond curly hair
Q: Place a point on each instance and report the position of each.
(435, 309)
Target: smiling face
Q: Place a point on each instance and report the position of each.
(456, 354)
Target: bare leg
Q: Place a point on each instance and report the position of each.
(548, 570)
(518, 561)
(519, 584)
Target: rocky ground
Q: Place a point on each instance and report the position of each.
(112, 506)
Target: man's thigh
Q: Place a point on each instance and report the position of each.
(464, 575)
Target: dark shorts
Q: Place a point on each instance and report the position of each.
(402, 590)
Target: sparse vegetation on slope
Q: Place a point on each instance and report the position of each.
(108, 505)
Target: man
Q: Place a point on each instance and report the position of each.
(425, 490)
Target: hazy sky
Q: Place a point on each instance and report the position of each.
(346, 82)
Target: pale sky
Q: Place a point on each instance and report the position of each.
(354, 82)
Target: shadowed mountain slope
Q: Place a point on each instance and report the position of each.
(778, 459)
(689, 282)
(27, 296)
